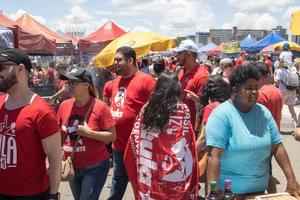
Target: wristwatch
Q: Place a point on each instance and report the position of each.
(54, 196)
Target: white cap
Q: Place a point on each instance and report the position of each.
(187, 45)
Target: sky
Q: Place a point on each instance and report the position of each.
(168, 17)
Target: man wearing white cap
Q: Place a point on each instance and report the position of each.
(191, 76)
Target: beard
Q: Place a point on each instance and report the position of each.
(8, 82)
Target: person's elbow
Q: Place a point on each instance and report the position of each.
(297, 134)
(113, 135)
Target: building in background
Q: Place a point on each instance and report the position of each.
(218, 36)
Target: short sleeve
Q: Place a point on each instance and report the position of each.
(262, 98)
(105, 119)
(217, 131)
(275, 137)
(206, 112)
(278, 75)
(107, 89)
(47, 125)
(149, 86)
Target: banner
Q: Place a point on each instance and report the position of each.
(295, 23)
(231, 47)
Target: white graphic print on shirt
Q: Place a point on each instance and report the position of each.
(8, 145)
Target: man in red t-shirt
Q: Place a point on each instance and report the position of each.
(241, 59)
(50, 73)
(192, 77)
(29, 133)
(130, 91)
(268, 62)
(271, 97)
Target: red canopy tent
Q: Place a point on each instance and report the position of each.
(24, 39)
(97, 40)
(63, 46)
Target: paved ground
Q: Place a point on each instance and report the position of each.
(292, 147)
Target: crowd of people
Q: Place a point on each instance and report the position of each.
(168, 124)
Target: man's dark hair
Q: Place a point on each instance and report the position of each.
(244, 72)
(127, 52)
(144, 62)
(159, 66)
(262, 68)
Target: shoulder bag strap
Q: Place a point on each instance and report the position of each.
(84, 120)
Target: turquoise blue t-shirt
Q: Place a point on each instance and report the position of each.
(246, 139)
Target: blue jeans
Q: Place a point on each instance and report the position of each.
(119, 179)
(89, 181)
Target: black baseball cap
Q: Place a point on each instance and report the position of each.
(78, 74)
(17, 56)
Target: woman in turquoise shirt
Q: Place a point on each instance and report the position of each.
(241, 135)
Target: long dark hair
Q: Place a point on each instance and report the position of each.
(215, 89)
(163, 101)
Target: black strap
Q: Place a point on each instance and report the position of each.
(84, 120)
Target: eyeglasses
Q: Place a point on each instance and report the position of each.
(250, 90)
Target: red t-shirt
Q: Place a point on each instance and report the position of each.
(88, 151)
(193, 81)
(271, 97)
(107, 89)
(163, 164)
(22, 159)
(208, 109)
(269, 63)
(240, 61)
(50, 73)
(128, 97)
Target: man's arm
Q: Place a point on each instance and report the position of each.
(52, 148)
(283, 161)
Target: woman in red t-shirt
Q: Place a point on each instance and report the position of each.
(86, 125)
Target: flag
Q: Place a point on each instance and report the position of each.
(163, 164)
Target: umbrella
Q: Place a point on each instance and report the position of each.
(141, 42)
(294, 46)
(268, 49)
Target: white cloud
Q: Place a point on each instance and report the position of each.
(78, 19)
(76, 2)
(260, 6)
(288, 13)
(169, 17)
(139, 28)
(252, 21)
(21, 12)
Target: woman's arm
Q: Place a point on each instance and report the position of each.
(200, 143)
(283, 161)
(214, 163)
(105, 136)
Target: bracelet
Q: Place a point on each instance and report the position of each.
(54, 196)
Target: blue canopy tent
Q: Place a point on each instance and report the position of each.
(271, 38)
(207, 47)
(247, 42)
(6, 38)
